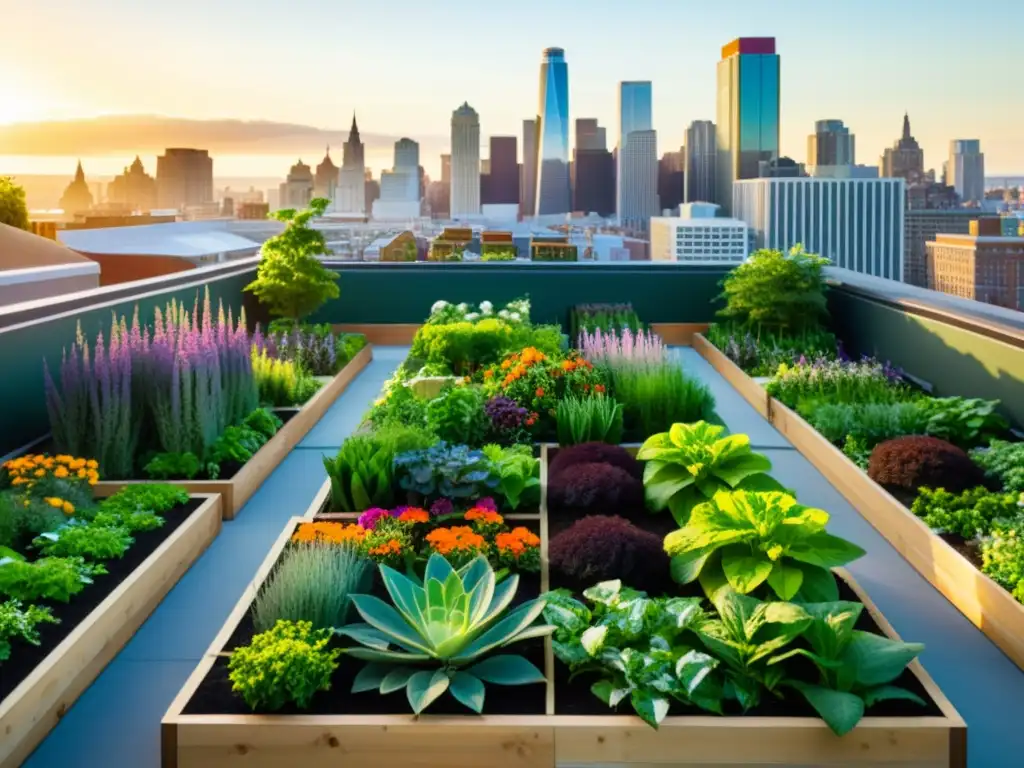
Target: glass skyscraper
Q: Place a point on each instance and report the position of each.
(748, 112)
(635, 112)
(553, 190)
(636, 198)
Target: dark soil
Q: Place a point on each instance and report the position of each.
(25, 657)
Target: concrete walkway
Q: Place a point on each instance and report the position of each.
(116, 722)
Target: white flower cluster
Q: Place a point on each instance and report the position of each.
(514, 311)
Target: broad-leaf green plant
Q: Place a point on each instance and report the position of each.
(518, 473)
(692, 462)
(441, 635)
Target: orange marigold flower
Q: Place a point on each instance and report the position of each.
(517, 541)
(539, 392)
(414, 515)
(506, 365)
(459, 538)
(329, 533)
(484, 515)
(599, 388)
(392, 547)
(488, 374)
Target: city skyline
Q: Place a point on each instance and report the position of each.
(861, 63)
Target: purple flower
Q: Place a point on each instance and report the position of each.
(505, 413)
(487, 503)
(370, 517)
(441, 507)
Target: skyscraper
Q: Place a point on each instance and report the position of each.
(636, 197)
(553, 193)
(465, 162)
(966, 169)
(501, 185)
(528, 175)
(670, 180)
(446, 168)
(701, 157)
(593, 170)
(400, 187)
(747, 128)
(184, 177)
(905, 158)
(297, 189)
(830, 144)
(590, 135)
(350, 196)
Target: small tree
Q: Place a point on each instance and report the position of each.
(776, 291)
(13, 210)
(291, 280)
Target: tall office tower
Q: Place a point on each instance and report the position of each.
(855, 223)
(905, 158)
(701, 157)
(670, 180)
(351, 194)
(400, 193)
(920, 227)
(446, 169)
(407, 162)
(184, 177)
(465, 162)
(528, 172)
(636, 198)
(501, 185)
(830, 144)
(553, 192)
(747, 128)
(326, 178)
(590, 135)
(966, 169)
(297, 189)
(593, 170)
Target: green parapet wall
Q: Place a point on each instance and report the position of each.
(953, 360)
(24, 345)
(404, 293)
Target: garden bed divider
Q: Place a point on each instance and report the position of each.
(237, 490)
(543, 740)
(35, 707)
(751, 391)
(987, 605)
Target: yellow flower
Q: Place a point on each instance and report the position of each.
(60, 472)
(54, 502)
(93, 481)
(69, 508)
(81, 474)
(39, 472)
(92, 464)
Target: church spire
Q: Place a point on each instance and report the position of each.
(906, 126)
(353, 134)
(79, 173)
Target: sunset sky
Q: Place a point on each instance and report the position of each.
(404, 65)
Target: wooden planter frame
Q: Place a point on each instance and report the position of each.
(987, 605)
(542, 741)
(239, 489)
(35, 707)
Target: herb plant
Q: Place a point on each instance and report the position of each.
(870, 423)
(457, 415)
(1004, 462)
(968, 514)
(966, 422)
(692, 462)
(655, 396)
(94, 542)
(450, 624)
(518, 474)
(18, 623)
(148, 497)
(173, 466)
(589, 419)
(263, 421)
(1002, 556)
(19, 524)
(236, 445)
(360, 475)
(443, 470)
(837, 381)
(48, 578)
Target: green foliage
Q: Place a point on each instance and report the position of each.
(784, 292)
(399, 405)
(445, 471)
(312, 582)
(464, 346)
(289, 663)
(19, 524)
(281, 383)
(48, 578)
(655, 396)
(965, 422)
(348, 345)
(237, 445)
(589, 419)
(290, 279)
(361, 474)
(145, 497)
(1003, 461)
(763, 353)
(553, 252)
(749, 538)
(173, 466)
(608, 318)
(518, 474)
(855, 668)
(1002, 556)
(869, 423)
(13, 210)
(858, 451)
(645, 649)
(451, 623)
(692, 462)
(17, 623)
(457, 415)
(836, 381)
(504, 254)
(93, 542)
(968, 514)
(264, 421)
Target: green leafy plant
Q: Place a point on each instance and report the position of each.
(291, 279)
(49, 578)
(173, 466)
(457, 415)
(762, 353)
(871, 423)
(858, 451)
(966, 422)
(264, 421)
(449, 624)
(94, 542)
(13, 210)
(589, 419)
(754, 537)
(1002, 556)
(289, 663)
(312, 582)
(518, 474)
(17, 623)
(856, 668)
(464, 345)
(236, 445)
(360, 475)
(19, 524)
(1003, 461)
(643, 648)
(281, 383)
(145, 497)
(656, 395)
(443, 470)
(692, 462)
(968, 514)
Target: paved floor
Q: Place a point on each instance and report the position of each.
(115, 723)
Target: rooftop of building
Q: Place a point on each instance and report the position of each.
(183, 239)
(23, 250)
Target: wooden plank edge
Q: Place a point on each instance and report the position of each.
(545, 583)
(315, 509)
(382, 334)
(678, 334)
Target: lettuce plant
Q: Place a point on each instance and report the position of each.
(438, 636)
(752, 538)
(691, 463)
(856, 669)
(518, 473)
(450, 471)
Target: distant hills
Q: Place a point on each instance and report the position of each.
(150, 134)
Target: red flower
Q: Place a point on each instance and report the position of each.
(599, 387)
(540, 392)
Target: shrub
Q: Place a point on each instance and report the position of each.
(236, 445)
(287, 664)
(599, 548)
(465, 345)
(968, 514)
(589, 419)
(595, 488)
(312, 582)
(656, 396)
(1003, 462)
(595, 453)
(1002, 556)
(458, 416)
(173, 466)
(905, 464)
(399, 405)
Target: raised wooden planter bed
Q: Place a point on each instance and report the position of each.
(543, 740)
(239, 488)
(38, 702)
(751, 391)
